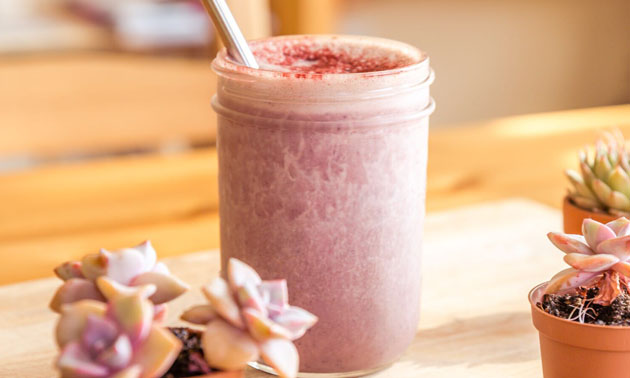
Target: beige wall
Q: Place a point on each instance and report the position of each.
(502, 57)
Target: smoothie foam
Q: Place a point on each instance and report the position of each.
(322, 181)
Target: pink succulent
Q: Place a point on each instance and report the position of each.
(129, 267)
(114, 339)
(248, 318)
(602, 250)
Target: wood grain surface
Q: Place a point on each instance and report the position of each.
(479, 264)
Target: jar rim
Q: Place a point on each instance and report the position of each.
(222, 64)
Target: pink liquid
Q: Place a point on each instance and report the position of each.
(323, 185)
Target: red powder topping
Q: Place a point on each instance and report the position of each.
(309, 59)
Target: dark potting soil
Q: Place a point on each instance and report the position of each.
(579, 307)
(190, 361)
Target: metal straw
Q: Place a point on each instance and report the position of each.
(230, 32)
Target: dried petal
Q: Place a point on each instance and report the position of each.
(619, 247)
(201, 314)
(568, 243)
(157, 353)
(74, 290)
(281, 355)
(222, 302)
(74, 362)
(68, 270)
(124, 265)
(568, 279)
(226, 347)
(168, 287)
(592, 263)
(239, 273)
(595, 233)
(262, 328)
(74, 319)
(296, 320)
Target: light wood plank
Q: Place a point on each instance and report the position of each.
(61, 105)
(475, 317)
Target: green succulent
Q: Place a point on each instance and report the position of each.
(603, 183)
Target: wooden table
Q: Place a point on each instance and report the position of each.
(62, 114)
(475, 316)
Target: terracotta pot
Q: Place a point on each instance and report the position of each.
(573, 350)
(573, 216)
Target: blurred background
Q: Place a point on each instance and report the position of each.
(107, 135)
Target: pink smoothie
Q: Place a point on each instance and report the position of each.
(322, 164)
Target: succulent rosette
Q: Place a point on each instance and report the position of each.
(247, 319)
(135, 266)
(114, 339)
(599, 258)
(603, 182)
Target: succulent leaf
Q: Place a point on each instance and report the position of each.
(570, 279)
(619, 181)
(580, 186)
(118, 355)
(223, 302)
(587, 173)
(262, 328)
(622, 268)
(602, 165)
(585, 203)
(68, 270)
(73, 290)
(281, 355)
(568, 243)
(240, 273)
(619, 247)
(592, 263)
(130, 372)
(148, 254)
(595, 233)
(275, 293)
(227, 347)
(74, 362)
(168, 286)
(296, 320)
(157, 353)
(74, 319)
(200, 314)
(248, 296)
(124, 265)
(134, 316)
(620, 226)
(93, 266)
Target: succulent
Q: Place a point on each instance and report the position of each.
(604, 181)
(114, 339)
(127, 267)
(248, 318)
(600, 257)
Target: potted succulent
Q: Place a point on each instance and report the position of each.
(111, 312)
(583, 313)
(601, 190)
